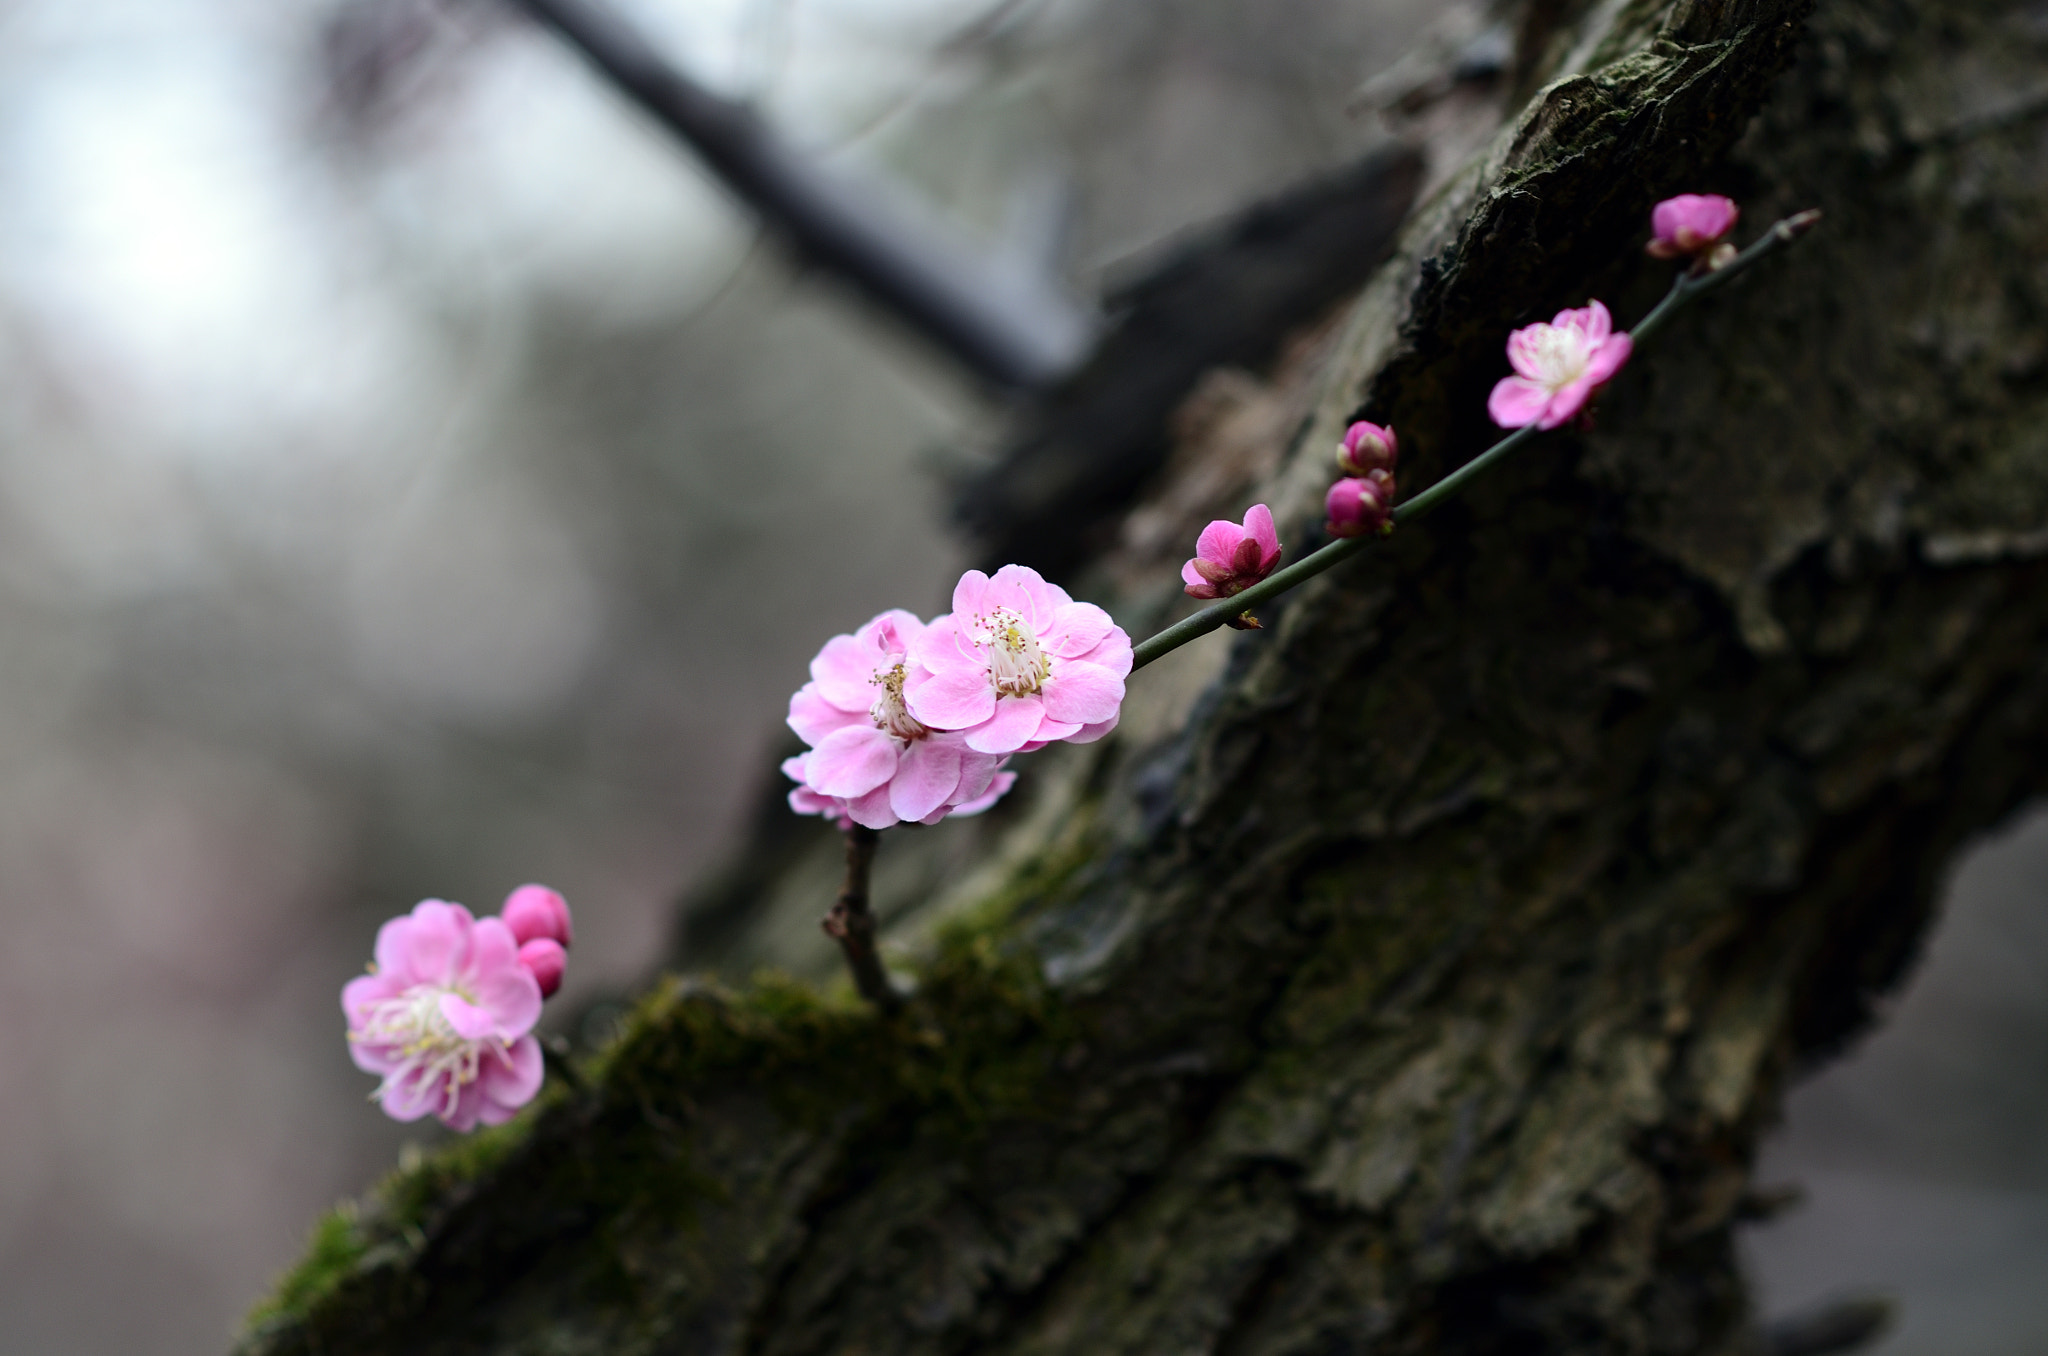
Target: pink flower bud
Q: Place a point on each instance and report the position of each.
(535, 911)
(545, 960)
(1690, 225)
(1357, 506)
(1367, 448)
(1229, 559)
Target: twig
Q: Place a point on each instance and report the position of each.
(853, 926)
(1688, 288)
(1008, 324)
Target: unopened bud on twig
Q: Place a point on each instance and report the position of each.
(1367, 448)
(1358, 505)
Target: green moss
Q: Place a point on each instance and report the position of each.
(332, 1252)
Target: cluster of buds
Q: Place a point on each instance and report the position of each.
(1363, 501)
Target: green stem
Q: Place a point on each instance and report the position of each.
(1687, 288)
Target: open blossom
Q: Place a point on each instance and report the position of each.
(1690, 224)
(1558, 368)
(871, 762)
(445, 1016)
(1367, 448)
(1358, 505)
(1230, 558)
(1018, 664)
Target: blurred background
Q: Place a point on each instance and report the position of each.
(418, 477)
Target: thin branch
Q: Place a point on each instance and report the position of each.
(1005, 322)
(1689, 287)
(852, 925)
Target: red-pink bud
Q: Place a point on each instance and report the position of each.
(535, 911)
(1357, 506)
(1690, 225)
(1367, 448)
(545, 960)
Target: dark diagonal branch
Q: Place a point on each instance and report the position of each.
(1002, 320)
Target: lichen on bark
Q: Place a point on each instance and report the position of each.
(1417, 974)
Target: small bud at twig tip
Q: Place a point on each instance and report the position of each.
(1798, 224)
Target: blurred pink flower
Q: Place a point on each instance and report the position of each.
(1358, 505)
(1690, 224)
(1367, 448)
(445, 1018)
(1558, 368)
(1230, 559)
(871, 762)
(1018, 665)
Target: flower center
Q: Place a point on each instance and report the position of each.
(889, 711)
(1017, 664)
(428, 1047)
(1560, 355)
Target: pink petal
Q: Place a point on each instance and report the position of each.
(968, 595)
(1088, 734)
(411, 1095)
(1076, 629)
(844, 673)
(805, 801)
(1566, 403)
(926, 778)
(1191, 575)
(471, 1022)
(872, 810)
(425, 946)
(852, 762)
(1014, 723)
(1523, 346)
(510, 1080)
(1608, 358)
(977, 770)
(889, 636)
(1114, 653)
(1246, 561)
(998, 788)
(1051, 731)
(942, 649)
(950, 701)
(1082, 693)
(360, 993)
(812, 717)
(1024, 591)
(1517, 401)
(374, 1059)
(1219, 541)
(1259, 523)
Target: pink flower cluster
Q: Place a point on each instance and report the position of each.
(1363, 501)
(445, 1016)
(909, 721)
(1559, 367)
(1230, 558)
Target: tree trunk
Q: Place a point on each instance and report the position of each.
(1414, 975)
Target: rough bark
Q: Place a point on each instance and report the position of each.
(1417, 974)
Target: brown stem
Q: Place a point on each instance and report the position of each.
(853, 927)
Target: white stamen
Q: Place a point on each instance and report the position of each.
(426, 1043)
(889, 711)
(1017, 664)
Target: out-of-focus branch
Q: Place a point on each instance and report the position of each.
(1007, 323)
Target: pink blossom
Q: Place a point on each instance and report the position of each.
(1690, 224)
(1558, 368)
(445, 1018)
(1230, 559)
(1359, 505)
(1018, 664)
(871, 762)
(1367, 448)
